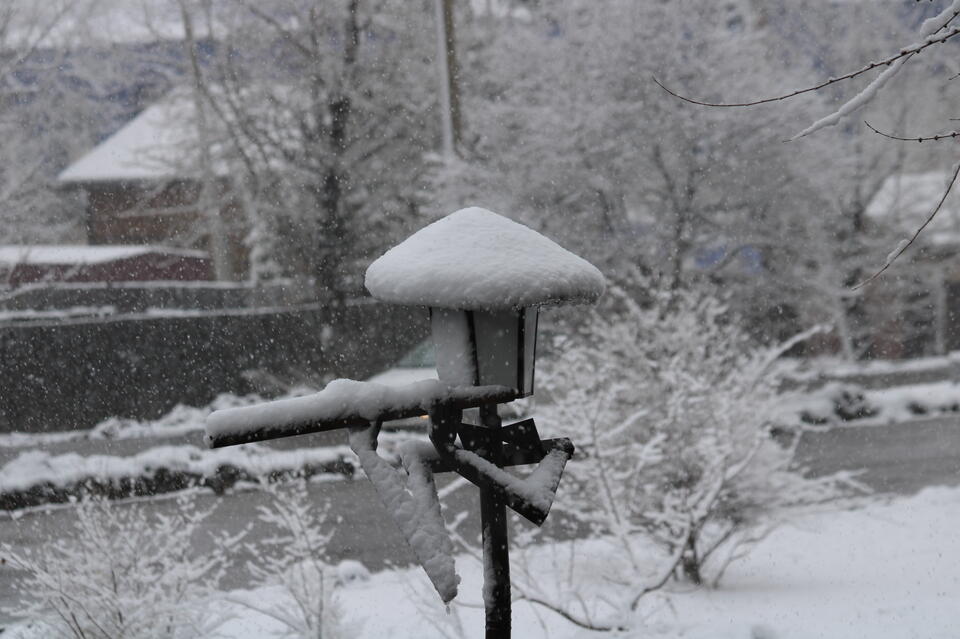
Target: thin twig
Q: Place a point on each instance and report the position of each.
(563, 613)
(905, 245)
(904, 53)
(665, 575)
(287, 34)
(934, 138)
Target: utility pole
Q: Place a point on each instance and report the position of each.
(449, 78)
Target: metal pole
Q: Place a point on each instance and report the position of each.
(449, 72)
(496, 551)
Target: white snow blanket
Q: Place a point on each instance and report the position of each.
(475, 259)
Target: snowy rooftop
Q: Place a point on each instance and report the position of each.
(157, 144)
(163, 141)
(906, 200)
(476, 259)
(83, 254)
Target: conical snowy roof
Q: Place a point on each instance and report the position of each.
(476, 259)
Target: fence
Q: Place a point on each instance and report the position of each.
(138, 297)
(70, 374)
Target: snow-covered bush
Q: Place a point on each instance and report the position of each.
(849, 403)
(121, 573)
(293, 560)
(837, 401)
(669, 404)
(841, 402)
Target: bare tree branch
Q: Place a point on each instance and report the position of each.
(903, 54)
(904, 245)
(933, 138)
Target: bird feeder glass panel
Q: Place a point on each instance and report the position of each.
(498, 349)
(486, 348)
(506, 342)
(454, 346)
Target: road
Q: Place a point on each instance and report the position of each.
(900, 459)
(897, 458)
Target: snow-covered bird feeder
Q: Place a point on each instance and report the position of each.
(484, 278)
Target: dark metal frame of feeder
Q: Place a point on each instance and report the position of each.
(496, 542)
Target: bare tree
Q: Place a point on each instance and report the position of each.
(321, 113)
(211, 208)
(564, 133)
(31, 102)
(935, 30)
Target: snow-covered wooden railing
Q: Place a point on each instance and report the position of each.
(342, 404)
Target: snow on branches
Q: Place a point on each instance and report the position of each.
(293, 558)
(938, 29)
(674, 405)
(122, 573)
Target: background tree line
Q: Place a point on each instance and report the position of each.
(326, 114)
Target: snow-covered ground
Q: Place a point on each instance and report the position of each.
(881, 570)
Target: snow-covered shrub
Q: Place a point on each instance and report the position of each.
(120, 573)
(293, 560)
(835, 402)
(839, 402)
(850, 403)
(669, 404)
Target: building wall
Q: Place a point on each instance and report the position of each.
(142, 268)
(161, 214)
(124, 213)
